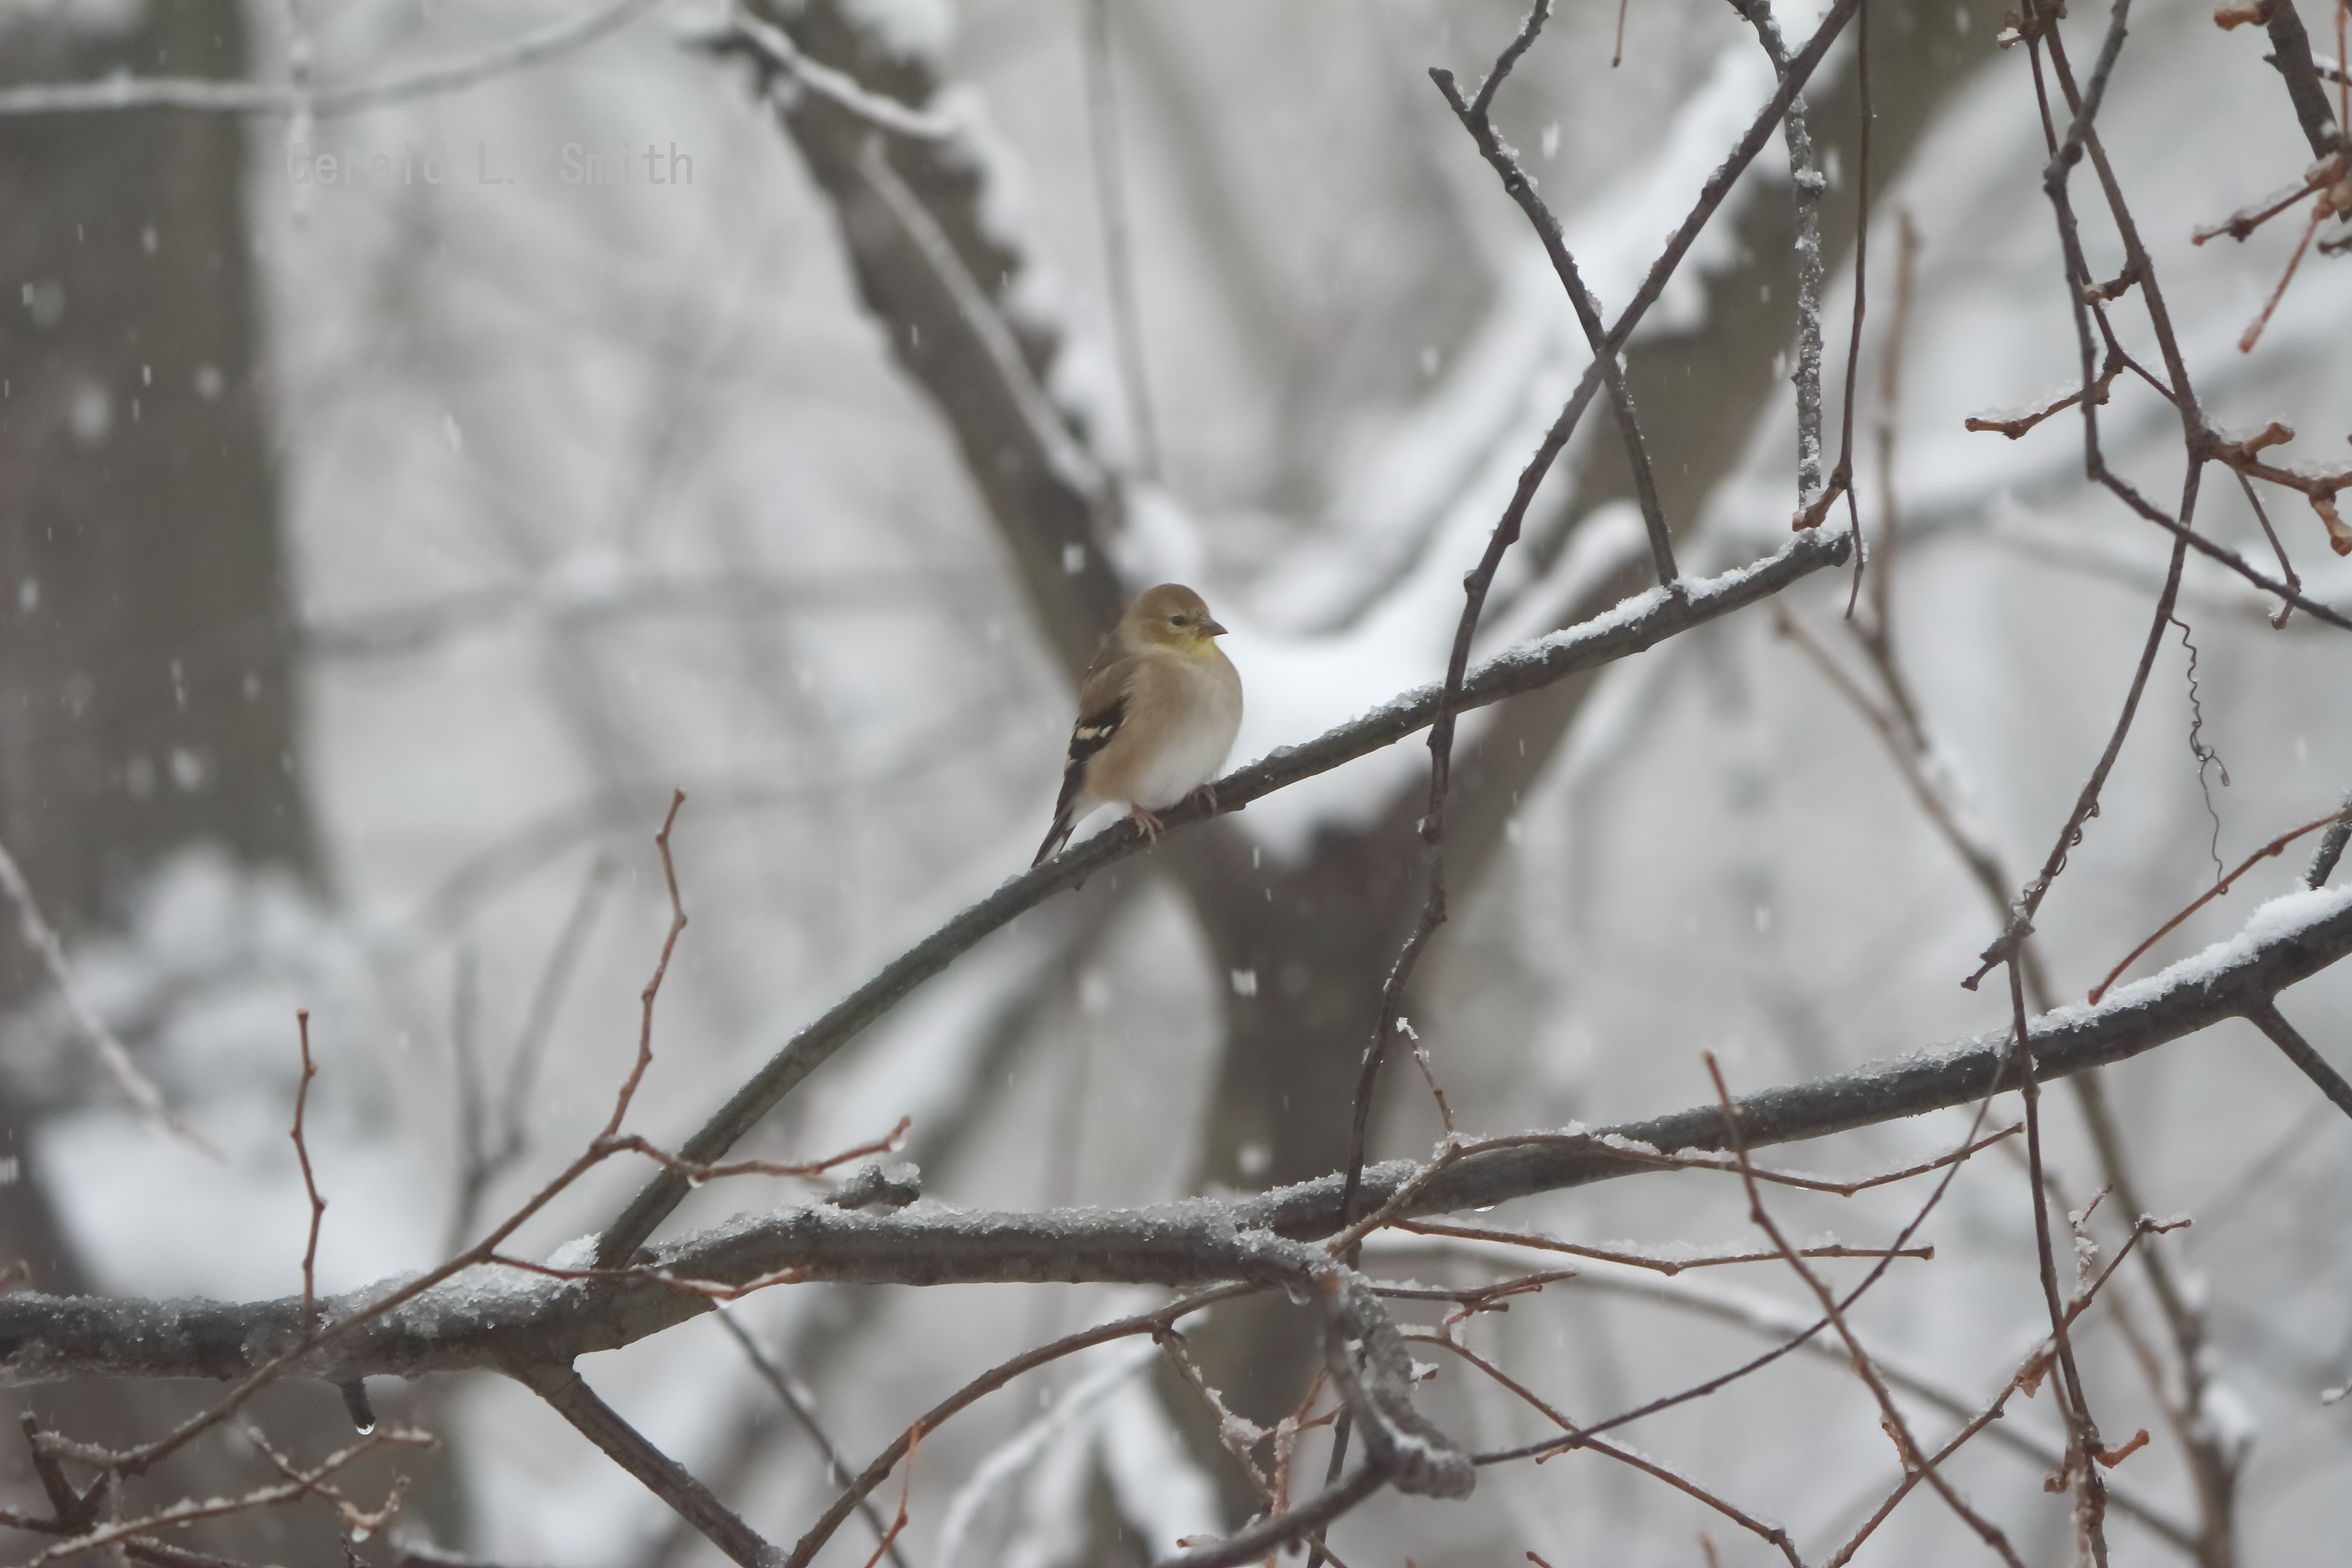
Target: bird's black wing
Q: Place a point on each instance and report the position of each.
(1090, 734)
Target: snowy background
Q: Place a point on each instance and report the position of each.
(595, 491)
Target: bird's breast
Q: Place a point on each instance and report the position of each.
(1198, 703)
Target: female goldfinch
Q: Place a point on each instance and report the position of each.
(1157, 713)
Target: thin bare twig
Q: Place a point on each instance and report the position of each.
(485, 1164)
(647, 997)
(1842, 477)
(361, 1523)
(1118, 256)
(1770, 1317)
(2026, 1378)
(1152, 1323)
(1880, 635)
(1739, 1116)
(1506, 533)
(115, 93)
(2017, 425)
(1581, 1439)
(2286, 567)
(136, 1086)
(1476, 119)
(309, 1182)
(1237, 1434)
(137, 1460)
(1667, 1265)
(2074, 1403)
(1268, 1536)
(1898, 1429)
(190, 1511)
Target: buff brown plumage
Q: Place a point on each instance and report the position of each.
(1157, 712)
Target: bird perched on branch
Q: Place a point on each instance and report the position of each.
(1157, 713)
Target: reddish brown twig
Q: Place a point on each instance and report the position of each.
(1845, 1189)
(1898, 1430)
(905, 1490)
(2275, 847)
(1469, 1301)
(2016, 429)
(661, 970)
(1579, 1439)
(2072, 1395)
(2024, 1380)
(2241, 224)
(889, 1143)
(718, 1291)
(1457, 1149)
(1667, 1265)
(2334, 185)
(137, 1460)
(2320, 489)
(309, 1184)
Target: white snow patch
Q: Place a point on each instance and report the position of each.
(580, 1252)
(997, 1474)
(2275, 921)
(1159, 1486)
(921, 28)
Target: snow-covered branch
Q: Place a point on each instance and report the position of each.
(492, 1318)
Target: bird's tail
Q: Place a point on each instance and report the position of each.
(1065, 821)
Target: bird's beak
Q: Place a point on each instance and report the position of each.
(1210, 629)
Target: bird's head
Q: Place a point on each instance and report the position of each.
(1171, 617)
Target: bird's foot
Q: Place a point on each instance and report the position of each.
(1146, 822)
(1207, 795)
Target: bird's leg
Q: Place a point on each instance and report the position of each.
(1207, 795)
(1146, 822)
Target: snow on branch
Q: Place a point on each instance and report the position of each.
(491, 1318)
(122, 92)
(776, 48)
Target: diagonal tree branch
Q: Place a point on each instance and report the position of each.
(667, 1479)
(941, 285)
(2291, 54)
(1638, 624)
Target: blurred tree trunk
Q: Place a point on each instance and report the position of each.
(145, 702)
(143, 696)
(1322, 934)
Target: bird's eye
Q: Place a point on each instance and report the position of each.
(1175, 620)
